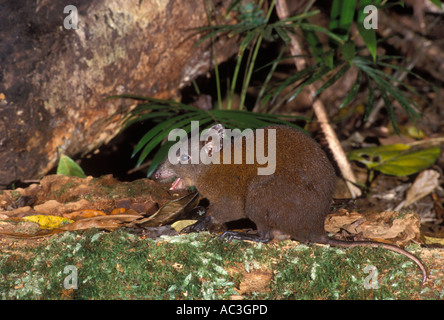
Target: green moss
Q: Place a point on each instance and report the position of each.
(119, 265)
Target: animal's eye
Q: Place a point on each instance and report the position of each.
(184, 157)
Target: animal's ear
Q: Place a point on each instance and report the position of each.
(214, 139)
(219, 128)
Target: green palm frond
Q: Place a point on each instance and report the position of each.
(387, 86)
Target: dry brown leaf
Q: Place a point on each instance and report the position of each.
(382, 226)
(87, 213)
(343, 220)
(88, 223)
(424, 184)
(182, 224)
(56, 208)
(403, 228)
(19, 233)
(101, 222)
(169, 212)
(19, 212)
(107, 222)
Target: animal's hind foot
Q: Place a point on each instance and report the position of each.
(231, 235)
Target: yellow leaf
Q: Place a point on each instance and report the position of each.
(432, 240)
(181, 224)
(48, 222)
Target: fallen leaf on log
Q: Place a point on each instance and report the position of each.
(60, 206)
(387, 226)
(424, 184)
(87, 213)
(343, 220)
(107, 222)
(47, 221)
(54, 207)
(182, 224)
(169, 212)
(118, 211)
(433, 240)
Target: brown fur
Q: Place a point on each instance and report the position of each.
(293, 201)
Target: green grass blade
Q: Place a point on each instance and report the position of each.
(390, 110)
(341, 17)
(317, 48)
(243, 119)
(300, 75)
(317, 76)
(333, 79)
(268, 79)
(387, 86)
(160, 132)
(282, 34)
(313, 27)
(367, 34)
(156, 130)
(146, 116)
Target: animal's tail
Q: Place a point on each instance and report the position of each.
(374, 244)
